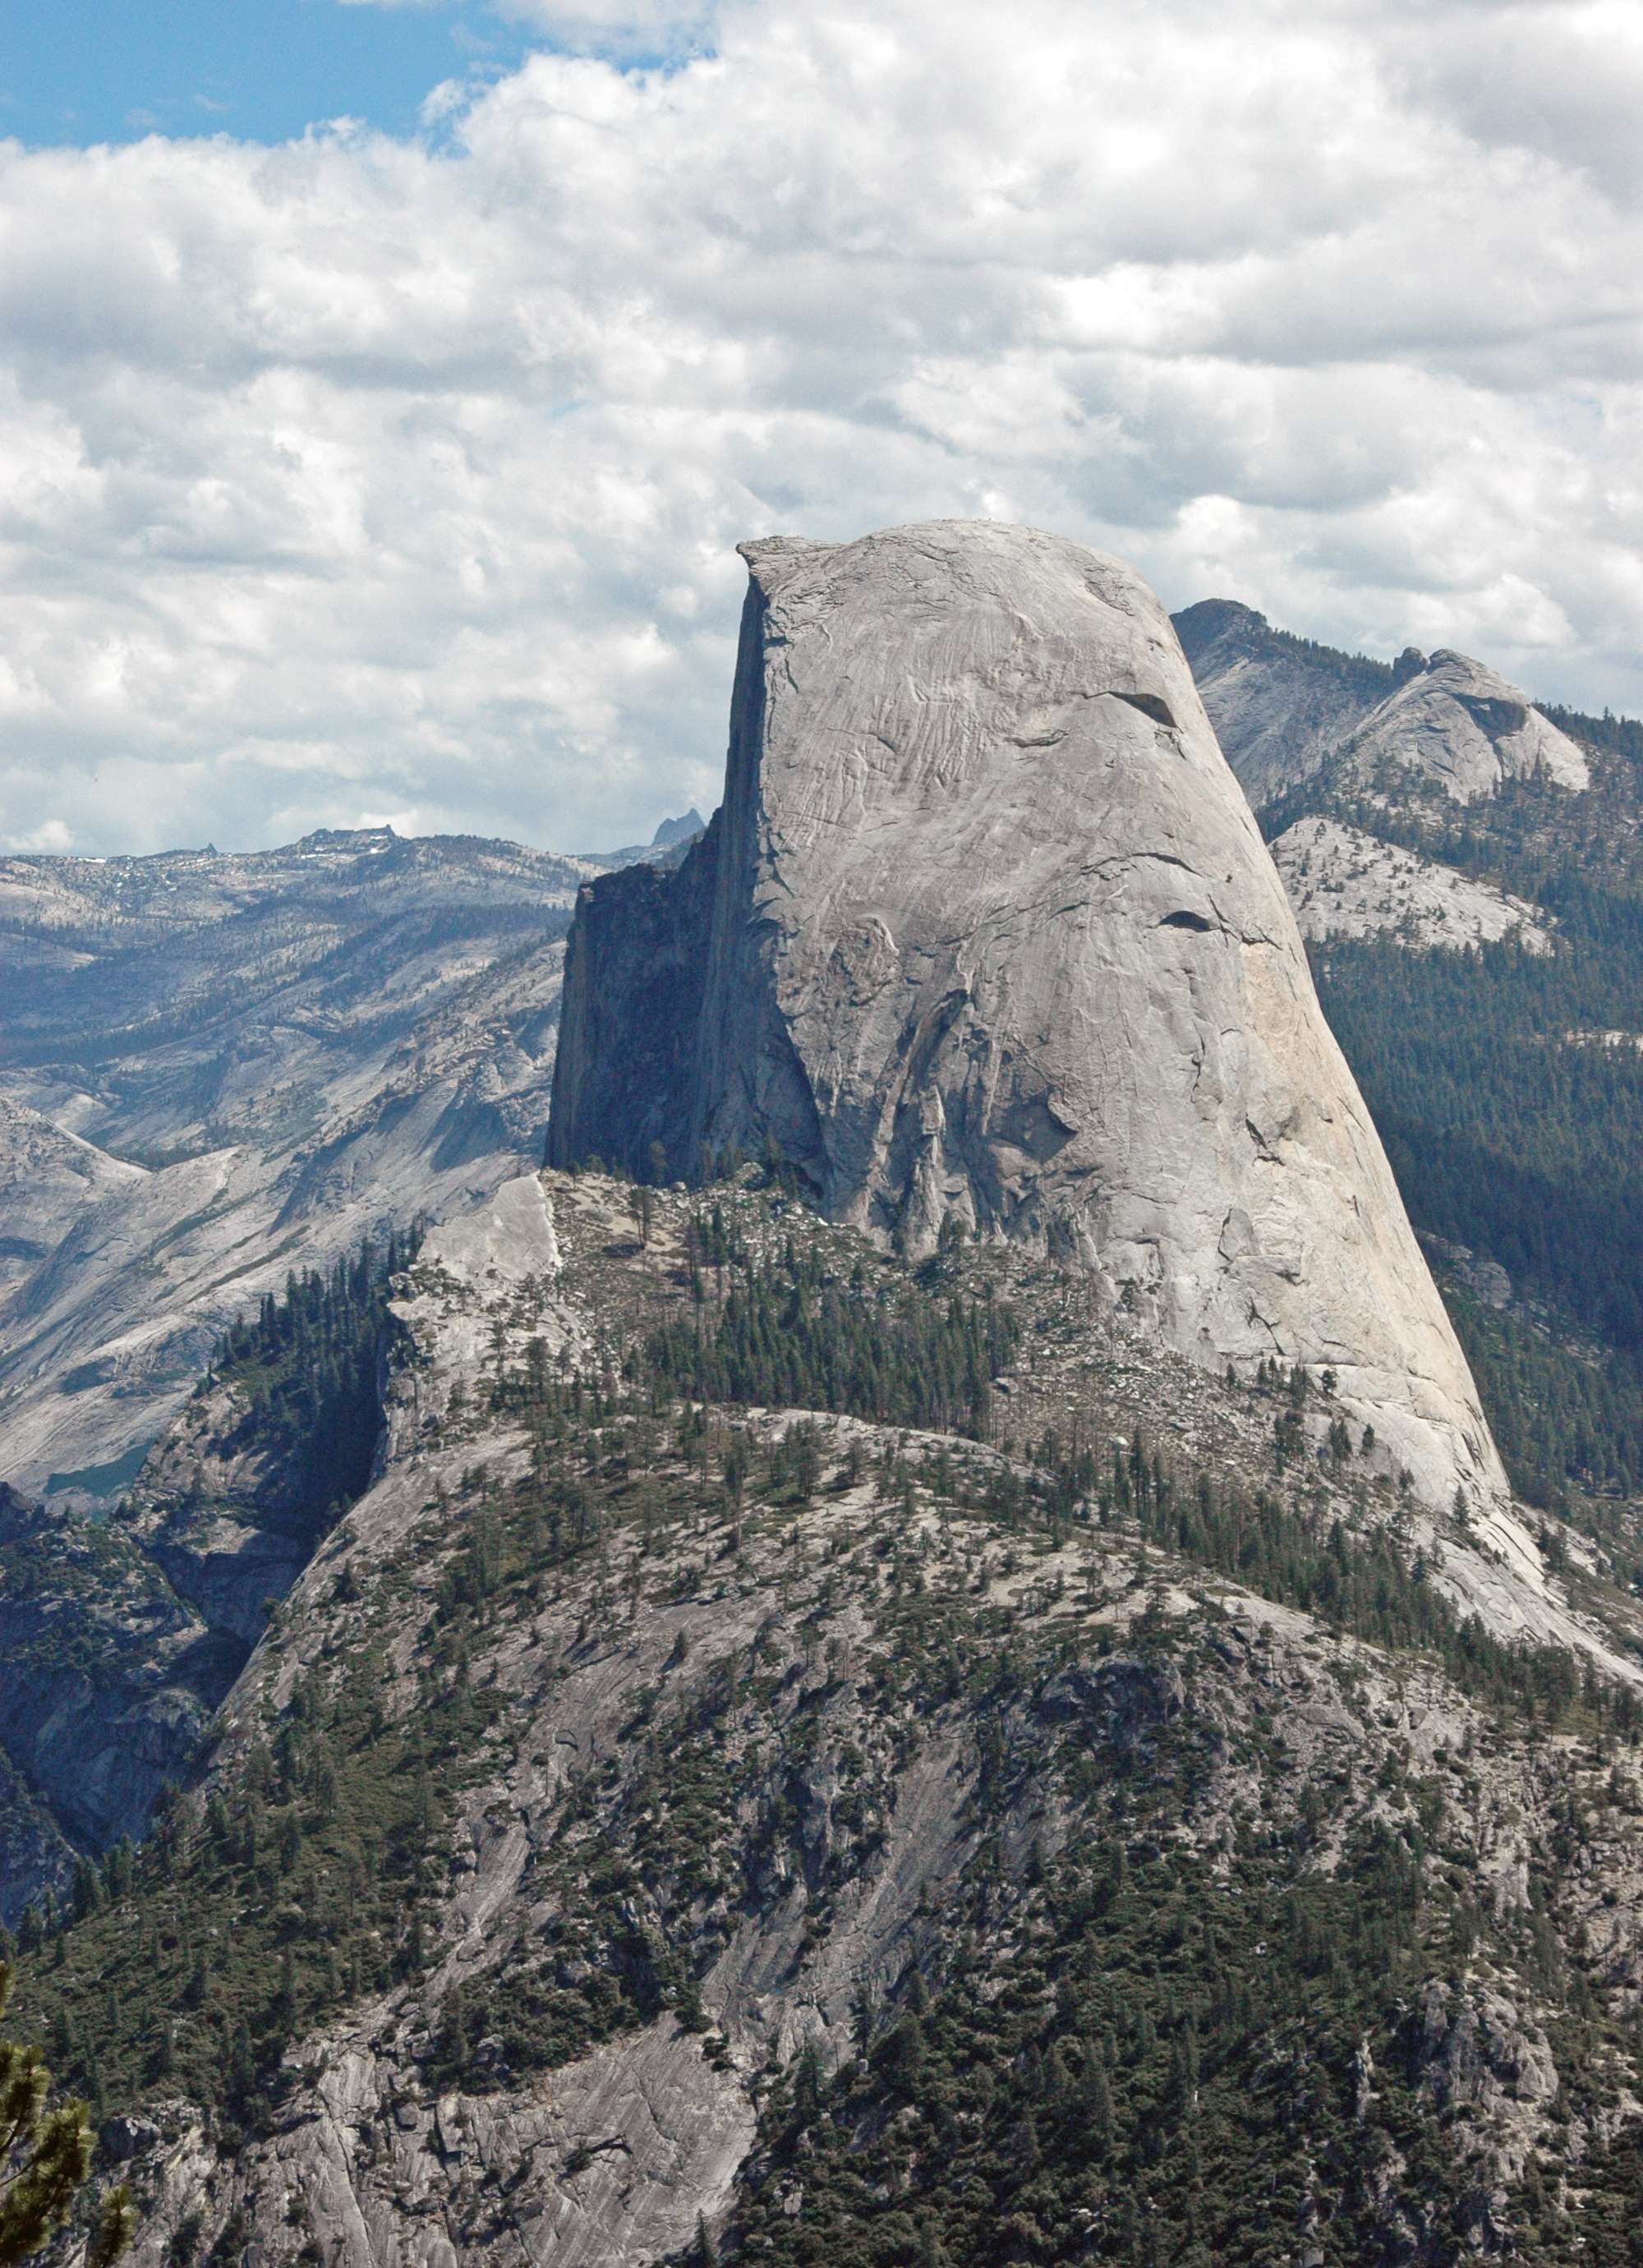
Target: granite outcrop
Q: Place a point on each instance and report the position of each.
(1468, 728)
(1343, 882)
(986, 936)
(1287, 711)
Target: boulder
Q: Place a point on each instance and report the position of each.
(124, 2138)
(985, 930)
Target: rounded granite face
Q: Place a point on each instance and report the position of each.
(1466, 727)
(994, 937)
(1285, 711)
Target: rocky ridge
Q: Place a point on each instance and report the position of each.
(215, 1069)
(817, 1737)
(1286, 710)
(1280, 705)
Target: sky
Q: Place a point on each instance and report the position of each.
(383, 389)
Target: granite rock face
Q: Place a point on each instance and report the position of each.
(1466, 727)
(624, 1075)
(993, 938)
(35, 1856)
(108, 1680)
(1280, 705)
(1285, 709)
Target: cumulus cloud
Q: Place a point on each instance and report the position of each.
(362, 477)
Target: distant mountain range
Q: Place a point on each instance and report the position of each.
(218, 1068)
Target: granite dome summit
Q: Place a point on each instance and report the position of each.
(985, 930)
(1286, 710)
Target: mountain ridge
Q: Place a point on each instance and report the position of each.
(764, 1749)
(215, 1067)
(1286, 709)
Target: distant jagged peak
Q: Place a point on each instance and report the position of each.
(671, 839)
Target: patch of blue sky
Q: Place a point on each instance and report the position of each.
(76, 72)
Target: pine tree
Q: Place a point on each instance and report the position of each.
(1100, 2099)
(44, 2156)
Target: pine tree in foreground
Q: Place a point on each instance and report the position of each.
(44, 2156)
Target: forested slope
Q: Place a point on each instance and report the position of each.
(1509, 1087)
(1098, 1820)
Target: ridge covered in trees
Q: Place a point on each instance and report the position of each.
(309, 1363)
(793, 1332)
(1135, 2040)
(1508, 1089)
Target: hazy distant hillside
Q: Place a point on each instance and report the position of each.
(214, 1069)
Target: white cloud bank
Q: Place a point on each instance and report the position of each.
(355, 476)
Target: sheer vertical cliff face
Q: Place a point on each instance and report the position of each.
(625, 1072)
(990, 933)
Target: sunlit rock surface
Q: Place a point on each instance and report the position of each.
(991, 937)
(1286, 709)
(1344, 883)
(1467, 727)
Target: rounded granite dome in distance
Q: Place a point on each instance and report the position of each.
(1468, 728)
(993, 934)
